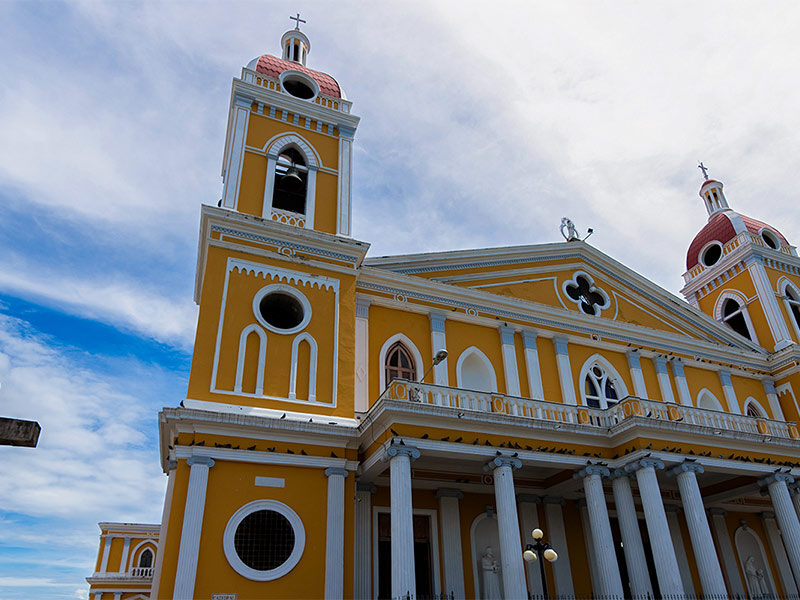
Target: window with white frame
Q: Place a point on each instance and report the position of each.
(733, 315)
(754, 410)
(792, 298)
(146, 558)
(600, 388)
(291, 181)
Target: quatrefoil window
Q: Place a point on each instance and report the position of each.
(582, 291)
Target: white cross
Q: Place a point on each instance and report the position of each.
(704, 169)
(298, 20)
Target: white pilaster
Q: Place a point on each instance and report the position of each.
(772, 399)
(107, 539)
(235, 157)
(556, 533)
(363, 541)
(564, 371)
(362, 356)
(98, 596)
(702, 543)
(684, 395)
(632, 546)
(510, 361)
(669, 576)
(513, 572)
(727, 553)
(402, 522)
(588, 542)
(450, 524)
(786, 514)
(769, 302)
(172, 465)
(609, 582)
(117, 595)
(439, 342)
(532, 365)
(126, 548)
(334, 538)
(635, 365)
(680, 551)
(779, 554)
(730, 395)
(344, 221)
(664, 384)
(192, 526)
(529, 518)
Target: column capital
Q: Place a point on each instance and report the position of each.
(776, 477)
(618, 473)
(396, 450)
(172, 464)
(590, 470)
(242, 100)
(725, 378)
(560, 344)
(557, 500)
(767, 514)
(661, 364)
(362, 308)
(200, 460)
(502, 461)
(677, 367)
(686, 466)
(644, 463)
(769, 385)
(335, 471)
(437, 321)
(717, 512)
(529, 498)
(529, 339)
(449, 493)
(366, 486)
(634, 359)
(507, 334)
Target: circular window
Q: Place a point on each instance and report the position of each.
(711, 255)
(282, 308)
(264, 540)
(770, 239)
(299, 85)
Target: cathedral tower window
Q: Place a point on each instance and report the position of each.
(791, 299)
(711, 254)
(291, 182)
(282, 308)
(770, 239)
(399, 364)
(733, 316)
(146, 559)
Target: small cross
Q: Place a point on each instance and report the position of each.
(298, 20)
(704, 169)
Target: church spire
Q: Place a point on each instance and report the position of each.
(295, 44)
(711, 193)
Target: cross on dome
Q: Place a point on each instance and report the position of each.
(704, 169)
(298, 20)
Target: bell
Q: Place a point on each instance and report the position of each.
(292, 177)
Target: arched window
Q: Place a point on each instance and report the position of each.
(753, 409)
(733, 315)
(291, 181)
(708, 401)
(600, 388)
(399, 364)
(792, 298)
(146, 558)
(474, 371)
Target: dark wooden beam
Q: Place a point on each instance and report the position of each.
(16, 432)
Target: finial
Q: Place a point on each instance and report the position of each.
(299, 20)
(569, 231)
(704, 169)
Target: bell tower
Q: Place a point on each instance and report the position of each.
(288, 144)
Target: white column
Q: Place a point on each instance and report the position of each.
(556, 533)
(684, 395)
(730, 395)
(795, 492)
(363, 541)
(450, 523)
(669, 576)
(235, 157)
(529, 517)
(588, 542)
(172, 465)
(609, 582)
(726, 551)
(508, 525)
(564, 371)
(117, 595)
(362, 356)
(786, 514)
(705, 554)
(192, 526)
(334, 538)
(98, 596)
(680, 551)
(439, 342)
(126, 548)
(510, 361)
(664, 384)
(772, 399)
(532, 365)
(404, 581)
(107, 539)
(635, 365)
(631, 536)
(779, 554)
(344, 220)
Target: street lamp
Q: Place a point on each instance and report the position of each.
(538, 551)
(440, 356)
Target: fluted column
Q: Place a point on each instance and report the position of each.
(726, 551)
(557, 534)
(402, 518)
(669, 576)
(680, 550)
(192, 525)
(703, 544)
(609, 582)
(363, 547)
(589, 544)
(786, 515)
(631, 536)
(450, 523)
(795, 492)
(779, 554)
(334, 539)
(508, 525)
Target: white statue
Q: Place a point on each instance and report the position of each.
(568, 230)
(754, 585)
(491, 576)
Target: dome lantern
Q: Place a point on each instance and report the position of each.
(712, 194)
(294, 43)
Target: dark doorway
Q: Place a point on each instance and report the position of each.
(623, 566)
(423, 567)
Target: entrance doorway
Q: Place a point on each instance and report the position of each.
(425, 556)
(623, 567)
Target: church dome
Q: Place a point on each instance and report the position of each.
(272, 66)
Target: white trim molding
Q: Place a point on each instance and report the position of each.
(262, 356)
(273, 149)
(289, 291)
(312, 366)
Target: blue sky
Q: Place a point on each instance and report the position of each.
(482, 125)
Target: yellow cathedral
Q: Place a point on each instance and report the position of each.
(494, 423)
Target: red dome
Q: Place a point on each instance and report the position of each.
(721, 229)
(273, 67)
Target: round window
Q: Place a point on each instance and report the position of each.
(712, 254)
(299, 85)
(770, 239)
(264, 540)
(282, 308)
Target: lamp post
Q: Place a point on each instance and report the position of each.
(541, 551)
(440, 356)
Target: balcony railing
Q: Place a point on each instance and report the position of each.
(142, 572)
(629, 407)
